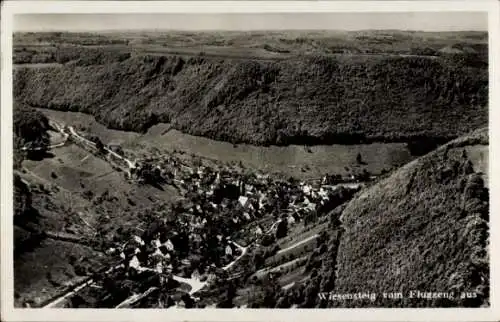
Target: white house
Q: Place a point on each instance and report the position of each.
(291, 220)
(139, 240)
(262, 201)
(134, 263)
(157, 253)
(307, 189)
(168, 244)
(243, 200)
(195, 275)
(229, 250)
(323, 193)
(258, 231)
(156, 243)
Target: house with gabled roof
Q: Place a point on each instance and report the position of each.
(138, 240)
(229, 250)
(195, 274)
(134, 263)
(168, 244)
(244, 201)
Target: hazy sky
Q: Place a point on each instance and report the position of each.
(428, 21)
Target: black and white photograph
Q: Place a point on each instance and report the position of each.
(233, 160)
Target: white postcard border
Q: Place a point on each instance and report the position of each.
(8, 313)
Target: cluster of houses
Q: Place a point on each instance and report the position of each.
(217, 203)
(239, 198)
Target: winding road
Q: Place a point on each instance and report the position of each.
(60, 300)
(130, 164)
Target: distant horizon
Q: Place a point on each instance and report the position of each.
(249, 31)
(337, 21)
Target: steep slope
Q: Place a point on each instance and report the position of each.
(303, 100)
(425, 228)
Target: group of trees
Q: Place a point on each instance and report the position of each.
(77, 55)
(30, 131)
(282, 228)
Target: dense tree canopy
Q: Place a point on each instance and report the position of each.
(30, 129)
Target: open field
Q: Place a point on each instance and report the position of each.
(298, 233)
(258, 44)
(290, 160)
(293, 276)
(282, 267)
(302, 248)
(76, 170)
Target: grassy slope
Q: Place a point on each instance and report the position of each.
(77, 172)
(43, 267)
(423, 228)
(63, 208)
(301, 100)
(290, 160)
(45, 272)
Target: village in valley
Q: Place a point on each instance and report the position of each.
(224, 212)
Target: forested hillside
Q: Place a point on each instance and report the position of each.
(304, 100)
(424, 228)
